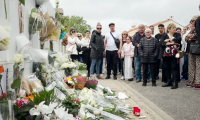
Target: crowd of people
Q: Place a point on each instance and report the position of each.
(175, 51)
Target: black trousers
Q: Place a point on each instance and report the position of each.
(74, 57)
(157, 67)
(171, 67)
(145, 71)
(87, 60)
(112, 58)
(164, 78)
(119, 64)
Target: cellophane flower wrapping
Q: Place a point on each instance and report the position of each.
(81, 80)
(41, 2)
(35, 21)
(91, 84)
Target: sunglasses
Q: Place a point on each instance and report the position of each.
(125, 34)
(99, 28)
(192, 21)
(73, 31)
(79, 36)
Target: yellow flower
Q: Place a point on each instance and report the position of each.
(69, 78)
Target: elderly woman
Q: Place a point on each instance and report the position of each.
(194, 55)
(170, 43)
(148, 49)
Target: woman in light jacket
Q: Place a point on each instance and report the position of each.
(80, 54)
(71, 47)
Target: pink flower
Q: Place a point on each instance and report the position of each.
(78, 101)
(80, 79)
(96, 112)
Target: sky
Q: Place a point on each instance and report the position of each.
(127, 13)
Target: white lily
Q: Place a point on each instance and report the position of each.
(44, 109)
(62, 114)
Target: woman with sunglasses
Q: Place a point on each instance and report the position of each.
(80, 54)
(71, 47)
(97, 48)
(194, 56)
(124, 37)
(86, 51)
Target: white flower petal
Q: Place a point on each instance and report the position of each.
(34, 111)
(60, 112)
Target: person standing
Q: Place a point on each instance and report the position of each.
(136, 40)
(124, 37)
(97, 48)
(179, 30)
(194, 56)
(80, 54)
(148, 50)
(158, 36)
(113, 45)
(170, 43)
(71, 47)
(152, 29)
(128, 54)
(86, 50)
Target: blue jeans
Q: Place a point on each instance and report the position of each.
(138, 68)
(96, 62)
(185, 67)
(81, 58)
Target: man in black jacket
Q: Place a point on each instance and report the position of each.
(161, 28)
(136, 40)
(197, 26)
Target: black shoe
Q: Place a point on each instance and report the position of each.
(144, 84)
(154, 84)
(157, 78)
(169, 83)
(130, 79)
(115, 77)
(175, 86)
(137, 81)
(107, 77)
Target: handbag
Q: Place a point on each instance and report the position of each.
(78, 48)
(117, 41)
(194, 48)
(84, 49)
(171, 50)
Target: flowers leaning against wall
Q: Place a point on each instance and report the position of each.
(35, 21)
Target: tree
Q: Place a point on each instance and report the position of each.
(76, 22)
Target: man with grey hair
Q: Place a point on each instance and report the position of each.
(136, 40)
(148, 50)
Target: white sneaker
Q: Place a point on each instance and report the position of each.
(122, 78)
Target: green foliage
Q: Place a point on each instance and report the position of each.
(76, 22)
(72, 104)
(22, 2)
(16, 84)
(43, 96)
(105, 92)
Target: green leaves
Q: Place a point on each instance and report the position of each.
(22, 2)
(16, 84)
(1, 77)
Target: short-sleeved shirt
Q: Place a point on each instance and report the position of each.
(111, 46)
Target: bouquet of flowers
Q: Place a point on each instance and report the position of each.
(73, 104)
(35, 21)
(91, 84)
(81, 68)
(80, 81)
(68, 67)
(70, 83)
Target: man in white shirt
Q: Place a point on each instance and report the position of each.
(112, 50)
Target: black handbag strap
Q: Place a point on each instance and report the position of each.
(112, 35)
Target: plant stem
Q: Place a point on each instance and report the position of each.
(5, 8)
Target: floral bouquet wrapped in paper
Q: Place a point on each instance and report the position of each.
(35, 21)
(81, 68)
(68, 67)
(63, 33)
(91, 84)
(81, 80)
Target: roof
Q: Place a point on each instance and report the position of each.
(133, 29)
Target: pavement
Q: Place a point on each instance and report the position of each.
(137, 100)
(158, 103)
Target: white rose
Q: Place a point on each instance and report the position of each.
(63, 66)
(66, 60)
(70, 82)
(101, 108)
(18, 58)
(57, 1)
(34, 15)
(93, 103)
(57, 60)
(70, 66)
